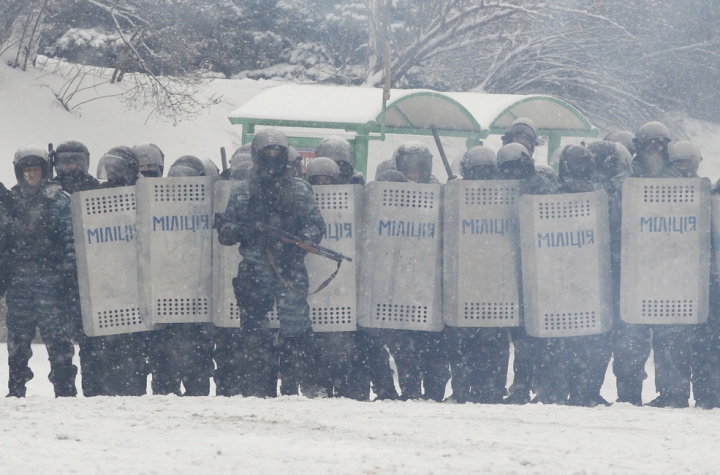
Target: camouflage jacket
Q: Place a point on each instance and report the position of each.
(40, 234)
(299, 215)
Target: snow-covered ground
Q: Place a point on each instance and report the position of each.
(171, 435)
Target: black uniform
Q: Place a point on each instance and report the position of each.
(90, 370)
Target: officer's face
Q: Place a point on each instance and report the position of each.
(66, 163)
(272, 162)
(652, 157)
(322, 180)
(525, 140)
(512, 170)
(150, 171)
(66, 167)
(412, 175)
(33, 176)
(481, 172)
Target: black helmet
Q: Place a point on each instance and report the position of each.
(322, 166)
(576, 162)
(187, 165)
(414, 156)
(625, 137)
(383, 167)
(545, 170)
(391, 175)
(119, 166)
(72, 151)
(336, 148)
(651, 130)
(686, 158)
(29, 156)
(478, 156)
(684, 151)
(241, 171)
(151, 159)
(270, 153)
(522, 130)
(514, 152)
(611, 158)
(242, 154)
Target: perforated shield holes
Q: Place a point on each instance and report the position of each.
(113, 203)
(567, 281)
(481, 253)
(668, 194)
(487, 195)
(665, 250)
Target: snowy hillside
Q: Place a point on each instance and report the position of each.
(30, 113)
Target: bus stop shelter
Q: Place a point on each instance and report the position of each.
(308, 113)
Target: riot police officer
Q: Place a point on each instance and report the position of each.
(632, 343)
(124, 355)
(72, 161)
(183, 352)
(337, 356)
(685, 158)
(522, 131)
(420, 356)
(272, 271)
(706, 341)
(573, 368)
(41, 257)
(322, 171)
(625, 137)
(515, 162)
(478, 356)
(240, 163)
(338, 149)
(151, 159)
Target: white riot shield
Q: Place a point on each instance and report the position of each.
(225, 311)
(107, 261)
(335, 307)
(401, 271)
(175, 248)
(481, 254)
(665, 257)
(567, 282)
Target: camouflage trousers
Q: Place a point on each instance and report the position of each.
(257, 288)
(34, 301)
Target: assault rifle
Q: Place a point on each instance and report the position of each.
(286, 237)
(289, 238)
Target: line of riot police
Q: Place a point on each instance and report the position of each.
(436, 283)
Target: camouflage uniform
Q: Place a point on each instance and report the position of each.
(42, 257)
(272, 272)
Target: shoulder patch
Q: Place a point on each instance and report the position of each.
(240, 192)
(52, 190)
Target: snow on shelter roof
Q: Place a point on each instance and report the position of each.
(349, 107)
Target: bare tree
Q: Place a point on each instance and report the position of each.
(595, 54)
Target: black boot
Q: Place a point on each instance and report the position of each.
(17, 381)
(255, 362)
(297, 363)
